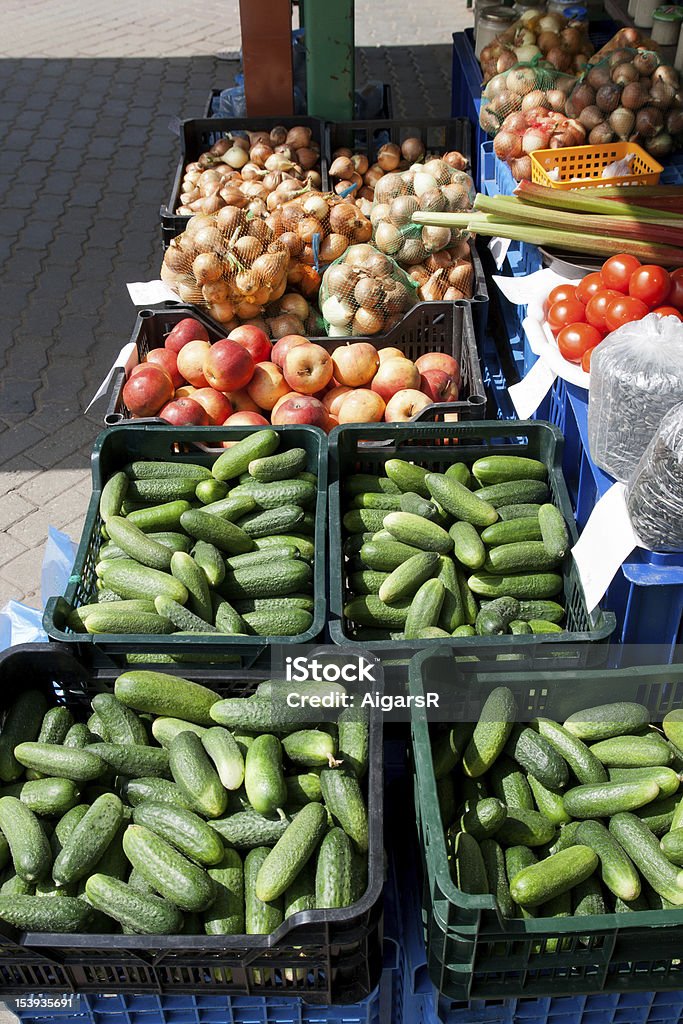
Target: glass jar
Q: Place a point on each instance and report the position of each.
(644, 10)
(666, 25)
(521, 7)
(678, 59)
(490, 23)
(560, 6)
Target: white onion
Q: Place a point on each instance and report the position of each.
(423, 183)
(525, 54)
(336, 312)
(236, 157)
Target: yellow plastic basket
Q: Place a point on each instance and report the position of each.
(584, 162)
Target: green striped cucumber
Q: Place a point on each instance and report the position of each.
(263, 775)
(666, 778)
(235, 460)
(549, 803)
(210, 561)
(421, 533)
(300, 895)
(603, 799)
(267, 580)
(344, 799)
(150, 470)
(121, 724)
(510, 784)
(514, 492)
(37, 914)
(152, 788)
(291, 852)
(368, 610)
(604, 721)
(370, 499)
(138, 545)
(334, 871)
(639, 843)
(195, 775)
(278, 622)
(386, 555)
(226, 756)
(616, 870)
(231, 508)
(554, 531)
(260, 918)
(159, 693)
(113, 495)
(407, 476)
(411, 502)
(173, 876)
(494, 865)
(226, 914)
(468, 547)
(143, 914)
(425, 608)
(47, 797)
(553, 876)
(310, 748)
(468, 865)
(63, 762)
(522, 556)
(483, 818)
(354, 739)
(588, 899)
(524, 510)
(367, 581)
(302, 492)
(452, 613)
(185, 569)
(672, 846)
(278, 467)
(407, 579)
(21, 725)
(491, 732)
(245, 830)
(133, 760)
(495, 469)
(585, 766)
(512, 531)
(538, 758)
(129, 579)
(357, 483)
(55, 725)
(226, 616)
(181, 617)
(525, 828)
(459, 471)
(215, 530)
(284, 519)
(645, 751)
(208, 491)
(29, 846)
(302, 789)
(182, 829)
(89, 840)
(460, 502)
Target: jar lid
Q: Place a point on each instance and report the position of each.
(668, 14)
(576, 13)
(497, 13)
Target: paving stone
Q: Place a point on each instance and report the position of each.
(60, 444)
(22, 572)
(14, 508)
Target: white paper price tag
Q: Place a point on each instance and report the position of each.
(608, 538)
(148, 293)
(499, 250)
(126, 359)
(530, 392)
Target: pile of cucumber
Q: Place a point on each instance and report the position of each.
(222, 550)
(172, 810)
(555, 820)
(473, 551)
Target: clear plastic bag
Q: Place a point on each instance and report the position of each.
(654, 496)
(636, 377)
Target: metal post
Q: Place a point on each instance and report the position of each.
(267, 57)
(329, 58)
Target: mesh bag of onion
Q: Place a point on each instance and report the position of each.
(434, 186)
(654, 495)
(230, 263)
(318, 228)
(560, 42)
(630, 95)
(364, 292)
(445, 276)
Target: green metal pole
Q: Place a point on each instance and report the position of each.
(329, 58)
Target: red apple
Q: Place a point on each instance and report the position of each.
(186, 391)
(214, 403)
(246, 419)
(439, 386)
(185, 412)
(256, 342)
(361, 406)
(167, 359)
(146, 391)
(282, 347)
(405, 404)
(356, 364)
(308, 368)
(395, 375)
(302, 409)
(241, 402)
(267, 385)
(191, 362)
(439, 361)
(385, 354)
(184, 331)
(228, 366)
(280, 401)
(334, 398)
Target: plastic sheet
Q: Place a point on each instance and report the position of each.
(655, 492)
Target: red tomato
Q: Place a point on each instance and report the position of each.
(576, 339)
(616, 271)
(588, 286)
(561, 293)
(586, 360)
(569, 311)
(597, 308)
(623, 311)
(675, 296)
(668, 311)
(650, 284)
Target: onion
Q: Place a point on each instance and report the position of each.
(622, 74)
(634, 96)
(608, 97)
(298, 138)
(223, 312)
(293, 242)
(368, 293)
(360, 163)
(590, 117)
(525, 54)
(559, 58)
(556, 98)
(598, 76)
(521, 168)
(217, 291)
(507, 145)
(388, 238)
(278, 134)
(342, 167)
(236, 157)
(373, 175)
(343, 218)
(389, 157)
(337, 312)
(646, 62)
(550, 23)
(506, 60)
(433, 200)
(295, 304)
(435, 238)
(306, 158)
(660, 145)
(315, 206)
(207, 268)
(332, 247)
(412, 149)
(649, 121)
(661, 94)
(342, 151)
(602, 133)
(456, 160)
(572, 39)
(286, 323)
(535, 138)
(674, 121)
(621, 121)
(423, 183)
(667, 74)
(535, 98)
(367, 321)
(308, 228)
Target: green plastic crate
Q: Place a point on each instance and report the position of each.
(122, 444)
(364, 448)
(473, 952)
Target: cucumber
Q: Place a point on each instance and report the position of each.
(301, 893)
(231, 508)
(181, 617)
(658, 816)
(522, 556)
(274, 552)
(235, 460)
(496, 469)
(334, 876)
(65, 826)
(512, 531)
(386, 555)
(567, 837)
(631, 906)
(514, 492)
(585, 766)
(310, 748)
(245, 830)
(37, 914)
(142, 914)
(588, 899)
(263, 775)
(185, 569)
(133, 760)
(370, 499)
(538, 758)
(645, 751)
(468, 547)
(47, 797)
(129, 579)
(425, 608)
(448, 747)
(226, 914)
(121, 724)
(227, 618)
(173, 876)
(523, 586)
(108, 619)
(278, 467)
(21, 725)
(469, 601)
(491, 732)
(483, 818)
(302, 789)
(138, 545)
(524, 510)
(278, 622)
(150, 470)
(195, 775)
(460, 502)
(642, 847)
(291, 852)
(357, 483)
(267, 580)
(554, 876)
(407, 579)
(368, 610)
(603, 799)
(495, 618)
(78, 736)
(182, 829)
(13, 885)
(112, 496)
(367, 581)
(159, 489)
(55, 725)
(672, 846)
(30, 849)
(159, 693)
(210, 561)
(452, 613)
(459, 471)
(113, 861)
(301, 492)
(284, 519)
(306, 602)
(215, 530)
(672, 724)
(510, 785)
(407, 476)
(62, 762)
(226, 756)
(411, 502)
(554, 532)
(421, 533)
(344, 800)
(549, 803)
(516, 859)
(353, 740)
(607, 720)
(89, 840)
(617, 871)
(260, 918)
(519, 628)
(208, 491)
(525, 828)
(153, 788)
(445, 793)
(666, 778)
(468, 865)
(496, 875)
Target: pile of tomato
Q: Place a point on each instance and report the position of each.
(581, 315)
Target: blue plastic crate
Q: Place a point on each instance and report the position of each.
(673, 170)
(466, 93)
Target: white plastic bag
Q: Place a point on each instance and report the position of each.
(21, 624)
(655, 492)
(636, 377)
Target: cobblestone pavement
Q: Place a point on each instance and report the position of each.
(87, 159)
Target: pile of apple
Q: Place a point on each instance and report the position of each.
(246, 379)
